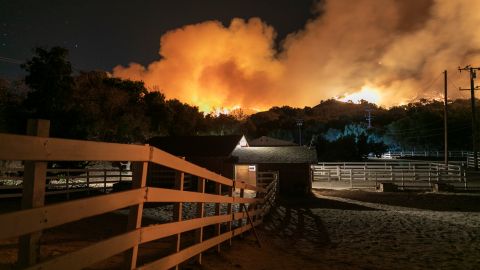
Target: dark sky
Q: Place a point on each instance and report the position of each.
(103, 34)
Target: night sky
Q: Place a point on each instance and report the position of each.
(103, 34)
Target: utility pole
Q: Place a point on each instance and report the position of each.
(299, 124)
(445, 114)
(473, 75)
(369, 117)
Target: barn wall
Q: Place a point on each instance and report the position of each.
(294, 179)
(160, 176)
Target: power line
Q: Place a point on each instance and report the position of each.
(417, 129)
(436, 134)
(20, 62)
(11, 60)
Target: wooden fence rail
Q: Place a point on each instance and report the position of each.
(64, 181)
(406, 174)
(34, 220)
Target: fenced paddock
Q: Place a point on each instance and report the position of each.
(28, 223)
(405, 174)
(64, 181)
(427, 154)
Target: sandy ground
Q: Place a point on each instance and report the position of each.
(363, 230)
(332, 229)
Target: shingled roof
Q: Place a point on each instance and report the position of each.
(282, 154)
(269, 141)
(189, 146)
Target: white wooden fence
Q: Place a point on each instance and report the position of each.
(406, 174)
(64, 181)
(438, 154)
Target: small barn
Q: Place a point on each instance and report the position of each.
(233, 157)
(292, 162)
(211, 152)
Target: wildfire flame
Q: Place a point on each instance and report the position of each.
(398, 47)
(367, 93)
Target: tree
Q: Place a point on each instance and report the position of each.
(110, 109)
(50, 77)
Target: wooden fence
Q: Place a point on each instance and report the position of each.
(437, 154)
(406, 174)
(64, 181)
(28, 223)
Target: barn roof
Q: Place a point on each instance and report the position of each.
(269, 141)
(188, 146)
(278, 154)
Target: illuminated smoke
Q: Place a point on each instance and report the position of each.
(397, 49)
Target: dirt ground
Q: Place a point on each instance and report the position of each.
(363, 230)
(332, 229)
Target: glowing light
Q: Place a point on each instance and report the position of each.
(224, 110)
(367, 93)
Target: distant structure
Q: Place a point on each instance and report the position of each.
(269, 141)
(291, 162)
(236, 158)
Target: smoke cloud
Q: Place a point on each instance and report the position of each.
(397, 49)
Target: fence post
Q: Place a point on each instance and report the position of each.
(229, 211)
(200, 214)
(351, 181)
(178, 207)
(139, 180)
(218, 191)
(104, 181)
(240, 208)
(67, 182)
(88, 182)
(34, 182)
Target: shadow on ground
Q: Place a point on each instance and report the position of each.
(294, 223)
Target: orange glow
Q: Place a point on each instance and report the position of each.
(399, 54)
(366, 93)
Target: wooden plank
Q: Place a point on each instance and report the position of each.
(154, 232)
(176, 163)
(21, 147)
(139, 180)
(171, 195)
(218, 191)
(26, 221)
(178, 207)
(242, 214)
(177, 258)
(97, 252)
(200, 214)
(230, 212)
(33, 195)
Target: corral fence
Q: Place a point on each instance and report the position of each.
(458, 155)
(438, 154)
(404, 174)
(64, 181)
(471, 159)
(28, 223)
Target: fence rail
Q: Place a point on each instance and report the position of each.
(438, 154)
(406, 174)
(64, 181)
(30, 222)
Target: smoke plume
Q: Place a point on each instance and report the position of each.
(396, 49)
